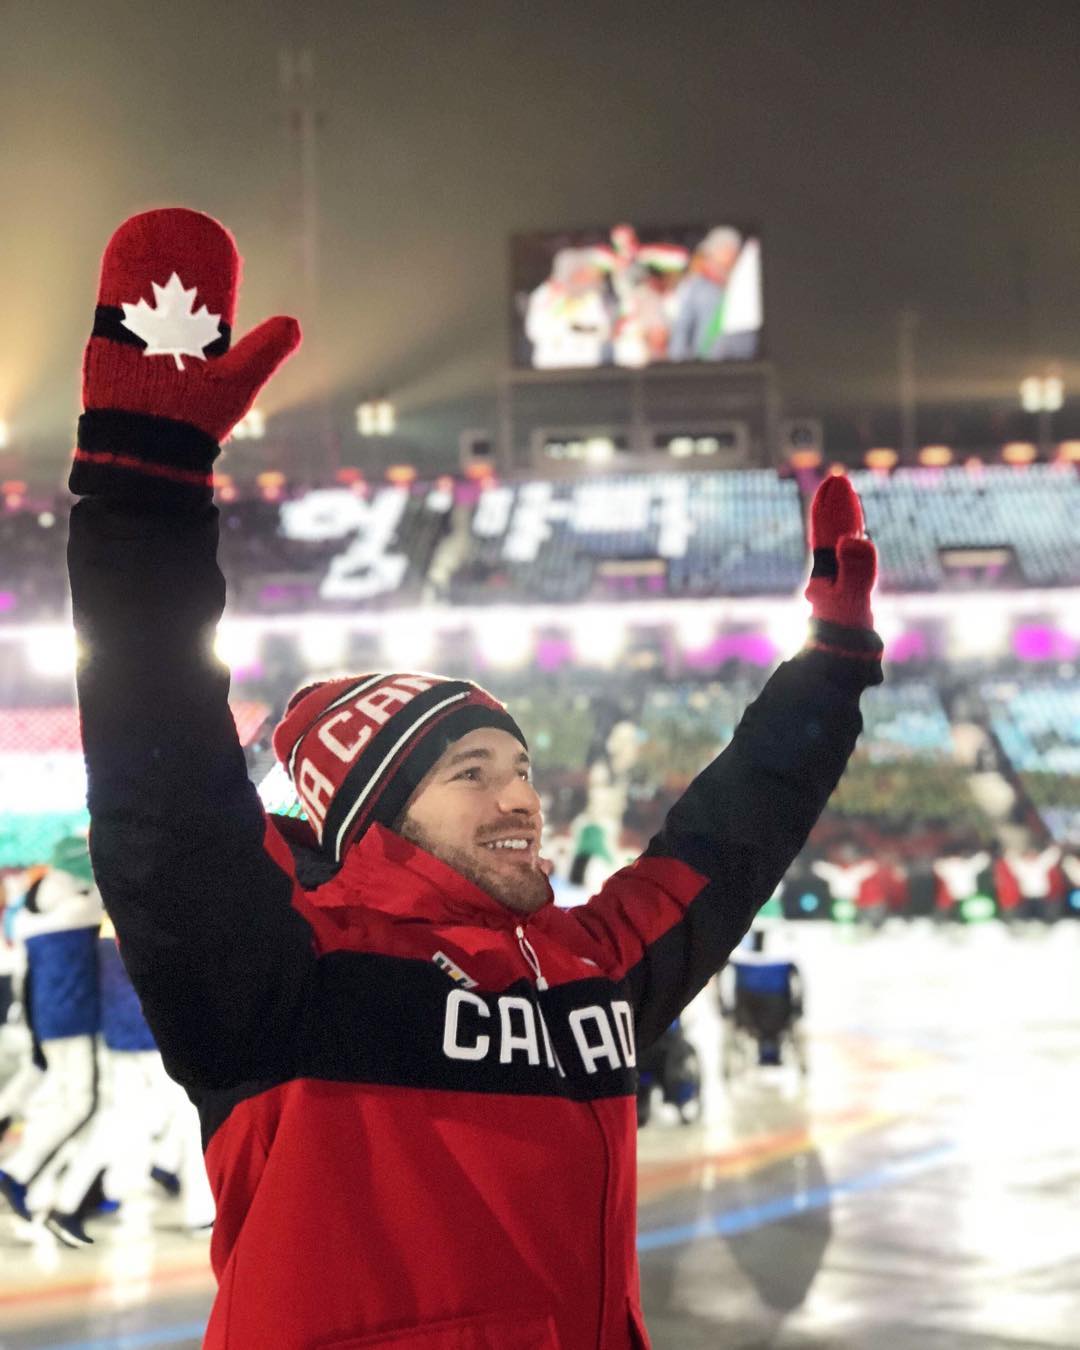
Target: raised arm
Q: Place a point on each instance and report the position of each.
(669, 921)
(187, 868)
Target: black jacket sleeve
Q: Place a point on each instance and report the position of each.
(222, 962)
(669, 921)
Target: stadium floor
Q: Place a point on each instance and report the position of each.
(918, 1193)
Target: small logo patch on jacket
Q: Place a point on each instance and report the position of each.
(452, 969)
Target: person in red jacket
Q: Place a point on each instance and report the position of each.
(416, 1075)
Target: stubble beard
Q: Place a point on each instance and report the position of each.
(524, 893)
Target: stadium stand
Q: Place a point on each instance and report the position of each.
(617, 536)
(915, 514)
(611, 537)
(1037, 726)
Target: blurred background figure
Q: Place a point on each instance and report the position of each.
(568, 320)
(58, 923)
(717, 306)
(958, 876)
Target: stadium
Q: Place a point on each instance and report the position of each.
(856, 1132)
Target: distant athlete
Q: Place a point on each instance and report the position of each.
(58, 923)
(416, 1075)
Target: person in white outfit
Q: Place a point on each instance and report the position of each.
(139, 1102)
(59, 924)
(845, 878)
(1034, 870)
(20, 1049)
(959, 876)
(568, 319)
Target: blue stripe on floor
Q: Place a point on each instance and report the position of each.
(139, 1340)
(731, 1222)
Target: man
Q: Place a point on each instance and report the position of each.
(416, 1078)
(718, 303)
(568, 319)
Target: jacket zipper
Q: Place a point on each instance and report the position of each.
(528, 951)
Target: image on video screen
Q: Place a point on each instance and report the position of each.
(623, 296)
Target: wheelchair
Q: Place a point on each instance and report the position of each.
(672, 1065)
(762, 1019)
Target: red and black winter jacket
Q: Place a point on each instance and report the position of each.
(418, 1108)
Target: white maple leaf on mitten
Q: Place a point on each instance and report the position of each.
(171, 326)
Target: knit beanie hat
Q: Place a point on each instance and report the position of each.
(358, 748)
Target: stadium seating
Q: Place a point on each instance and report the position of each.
(610, 537)
(1037, 725)
(915, 513)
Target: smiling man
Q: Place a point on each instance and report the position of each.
(480, 813)
(416, 1076)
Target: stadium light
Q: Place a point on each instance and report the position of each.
(323, 644)
(51, 651)
(977, 631)
(408, 641)
(1068, 617)
(1019, 452)
(376, 417)
(237, 645)
(787, 629)
(599, 450)
(598, 636)
(224, 487)
(887, 623)
(881, 459)
(5, 435)
(694, 631)
(503, 640)
(1042, 393)
(271, 485)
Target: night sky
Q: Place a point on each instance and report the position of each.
(893, 153)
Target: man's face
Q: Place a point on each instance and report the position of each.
(478, 811)
(720, 260)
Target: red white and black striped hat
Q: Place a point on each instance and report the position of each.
(358, 748)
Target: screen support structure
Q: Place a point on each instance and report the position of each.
(638, 408)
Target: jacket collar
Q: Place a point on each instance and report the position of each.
(383, 871)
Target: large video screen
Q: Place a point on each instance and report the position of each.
(624, 296)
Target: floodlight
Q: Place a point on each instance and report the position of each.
(787, 629)
(694, 630)
(977, 631)
(503, 640)
(323, 643)
(237, 645)
(51, 651)
(408, 641)
(599, 636)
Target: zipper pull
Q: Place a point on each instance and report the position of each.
(529, 953)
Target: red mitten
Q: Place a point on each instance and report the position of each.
(161, 388)
(843, 575)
